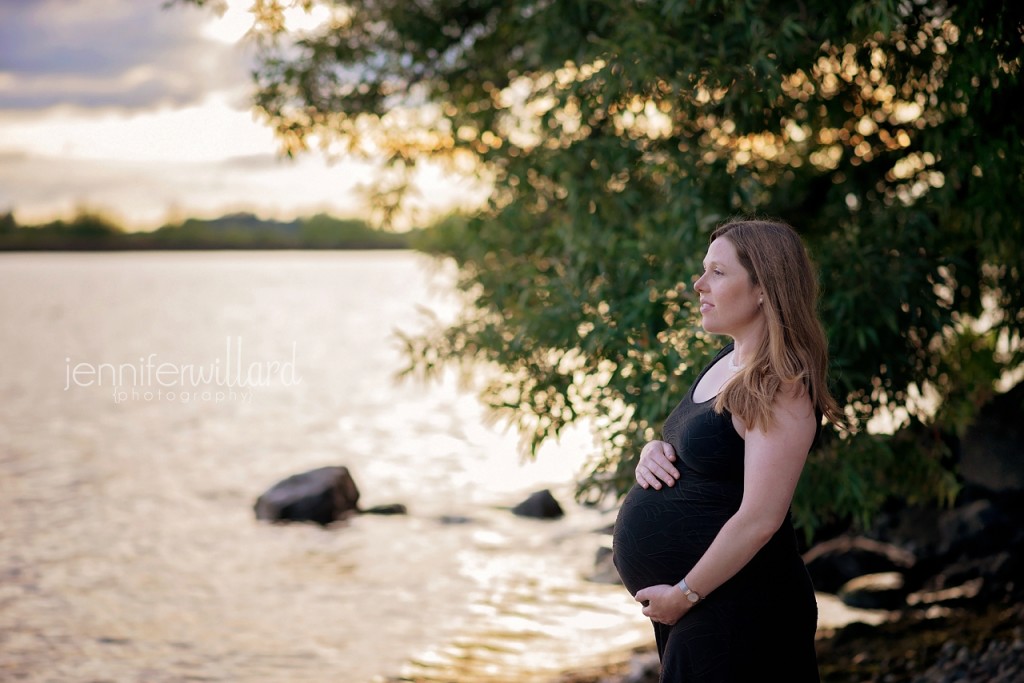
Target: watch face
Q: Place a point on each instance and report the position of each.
(692, 597)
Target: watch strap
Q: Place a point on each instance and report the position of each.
(691, 595)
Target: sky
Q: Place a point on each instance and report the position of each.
(142, 113)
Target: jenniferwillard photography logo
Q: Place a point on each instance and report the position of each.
(152, 379)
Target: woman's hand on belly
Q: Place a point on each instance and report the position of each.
(663, 603)
(655, 467)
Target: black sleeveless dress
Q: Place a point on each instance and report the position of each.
(760, 624)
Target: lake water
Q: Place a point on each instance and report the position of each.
(128, 545)
(129, 549)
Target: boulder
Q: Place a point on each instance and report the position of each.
(540, 504)
(976, 528)
(885, 590)
(992, 450)
(834, 562)
(980, 538)
(322, 495)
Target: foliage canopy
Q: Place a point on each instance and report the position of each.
(618, 134)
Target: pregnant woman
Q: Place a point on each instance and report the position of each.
(704, 540)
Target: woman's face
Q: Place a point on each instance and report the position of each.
(729, 303)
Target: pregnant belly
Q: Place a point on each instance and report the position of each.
(660, 535)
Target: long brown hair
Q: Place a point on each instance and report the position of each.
(794, 351)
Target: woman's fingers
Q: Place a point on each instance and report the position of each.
(667, 474)
(656, 464)
(644, 596)
(646, 478)
(655, 467)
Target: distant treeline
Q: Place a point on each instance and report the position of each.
(234, 231)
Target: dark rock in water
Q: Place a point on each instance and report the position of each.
(322, 495)
(389, 509)
(834, 562)
(885, 590)
(540, 504)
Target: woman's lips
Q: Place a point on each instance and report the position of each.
(704, 308)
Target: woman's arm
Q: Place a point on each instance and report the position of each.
(773, 461)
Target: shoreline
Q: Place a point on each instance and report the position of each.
(979, 644)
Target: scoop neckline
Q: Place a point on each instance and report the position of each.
(693, 388)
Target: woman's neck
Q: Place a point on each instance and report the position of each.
(745, 346)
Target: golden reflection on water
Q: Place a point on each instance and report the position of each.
(129, 551)
(530, 616)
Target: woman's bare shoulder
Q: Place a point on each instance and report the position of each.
(793, 403)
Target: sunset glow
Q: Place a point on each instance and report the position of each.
(210, 131)
(144, 114)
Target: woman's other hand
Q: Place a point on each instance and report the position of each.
(655, 467)
(663, 603)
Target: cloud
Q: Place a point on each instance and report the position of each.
(143, 194)
(211, 130)
(124, 54)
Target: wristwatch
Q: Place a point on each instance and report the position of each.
(691, 595)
